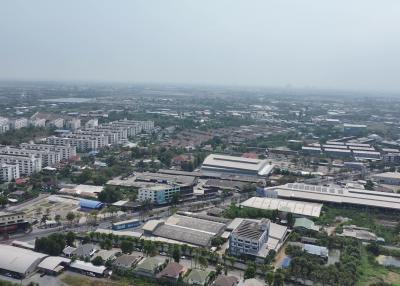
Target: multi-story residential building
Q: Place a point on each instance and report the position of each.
(19, 123)
(135, 127)
(37, 122)
(391, 158)
(4, 125)
(57, 123)
(92, 123)
(9, 172)
(101, 139)
(66, 152)
(249, 237)
(81, 144)
(48, 158)
(12, 221)
(158, 193)
(28, 164)
(73, 124)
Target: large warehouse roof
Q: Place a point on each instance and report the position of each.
(18, 260)
(296, 207)
(222, 163)
(183, 234)
(196, 223)
(338, 195)
(89, 204)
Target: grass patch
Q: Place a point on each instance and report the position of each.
(371, 272)
(361, 218)
(71, 280)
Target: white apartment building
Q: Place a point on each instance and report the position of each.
(92, 123)
(57, 123)
(4, 125)
(9, 172)
(19, 123)
(28, 164)
(81, 144)
(38, 122)
(49, 158)
(73, 124)
(65, 152)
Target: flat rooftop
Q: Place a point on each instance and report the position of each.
(221, 162)
(335, 194)
(295, 207)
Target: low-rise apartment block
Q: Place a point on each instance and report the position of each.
(9, 172)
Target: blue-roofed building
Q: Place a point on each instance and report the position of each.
(286, 262)
(90, 204)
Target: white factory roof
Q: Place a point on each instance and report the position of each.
(119, 232)
(239, 163)
(52, 262)
(337, 150)
(18, 260)
(87, 266)
(88, 189)
(339, 195)
(388, 175)
(296, 207)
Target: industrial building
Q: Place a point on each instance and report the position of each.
(89, 204)
(336, 195)
(249, 237)
(296, 207)
(354, 129)
(220, 164)
(12, 221)
(125, 224)
(389, 178)
(185, 229)
(53, 265)
(158, 193)
(19, 262)
(255, 237)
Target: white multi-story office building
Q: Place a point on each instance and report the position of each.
(9, 172)
(28, 164)
(249, 237)
(158, 193)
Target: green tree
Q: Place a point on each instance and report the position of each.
(70, 238)
(126, 246)
(250, 271)
(97, 261)
(70, 217)
(176, 253)
(269, 278)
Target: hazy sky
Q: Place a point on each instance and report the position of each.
(347, 44)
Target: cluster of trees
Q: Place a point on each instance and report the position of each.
(54, 243)
(18, 136)
(234, 211)
(311, 267)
